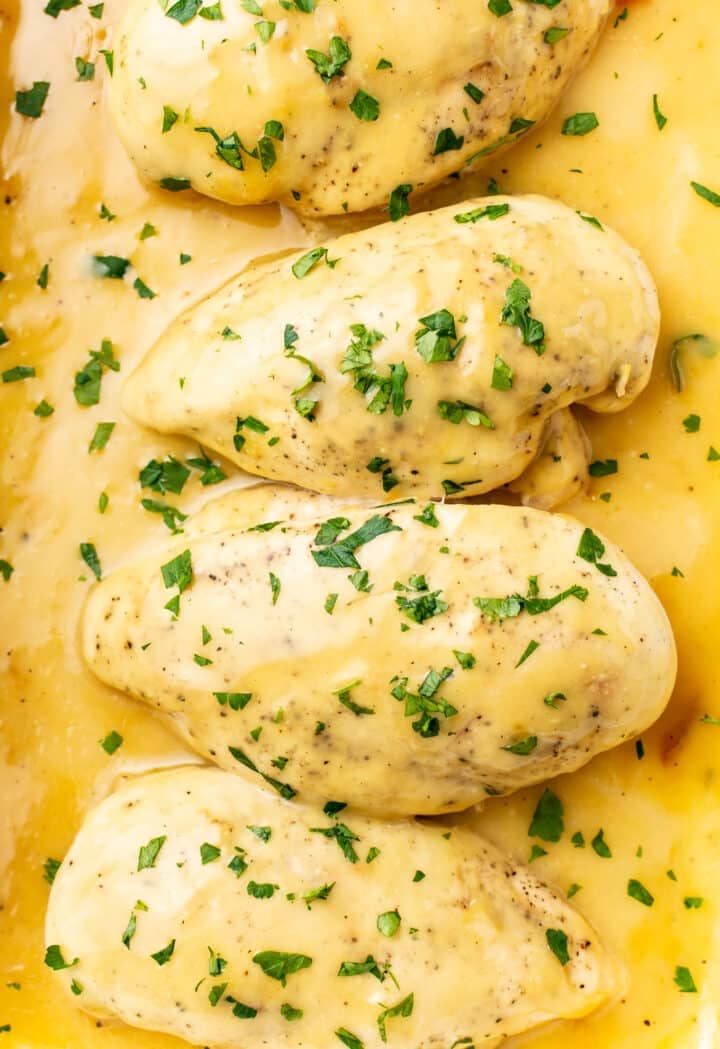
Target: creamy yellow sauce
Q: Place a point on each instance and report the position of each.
(600, 346)
(473, 908)
(235, 83)
(664, 510)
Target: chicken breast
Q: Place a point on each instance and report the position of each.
(413, 359)
(411, 661)
(560, 470)
(328, 107)
(192, 903)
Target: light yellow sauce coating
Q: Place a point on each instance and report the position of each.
(389, 110)
(422, 383)
(467, 906)
(396, 701)
(560, 469)
(664, 511)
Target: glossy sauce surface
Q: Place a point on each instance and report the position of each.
(392, 108)
(664, 510)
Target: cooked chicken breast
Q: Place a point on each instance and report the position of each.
(410, 661)
(422, 358)
(194, 904)
(560, 470)
(328, 107)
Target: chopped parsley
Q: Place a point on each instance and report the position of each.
(261, 890)
(384, 390)
(360, 968)
(163, 956)
(522, 747)
(111, 267)
(533, 646)
(466, 660)
(341, 554)
(557, 941)
(304, 405)
(592, 549)
(143, 290)
(209, 853)
(428, 517)
(660, 118)
(240, 1009)
(278, 965)
(437, 338)
(289, 1012)
(600, 846)
(425, 703)
(112, 742)
(170, 514)
(344, 837)
(492, 212)
(517, 314)
(603, 468)
(447, 142)
(388, 923)
(349, 1039)
(307, 262)
(381, 466)
(50, 869)
(248, 423)
(283, 789)
(54, 7)
(364, 106)
(90, 556)
(18, 373)
(637, 891)
(85, 70)
(403, 1008)
(399, 204)
(425, 606)
(474, 93)
(693, 903)
(498, 609)
(458, 411)
(167, 476)
(183, 11)
(177, 572)
(554, 34)
(54, 959)
(174, 184)
(333, 63)
(580, 124)
(684, 980)
(262, 833)
(547, 821)
(30, 103)
(148, 854)
(344, 696)
(707, 194)
(234, 700)
(88, 380)
(100, 438)
(502, 376)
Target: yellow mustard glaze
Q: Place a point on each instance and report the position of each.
(664, 510)
(408, 92)
(401, 693)
(479, 912)
(396, 368)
